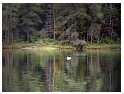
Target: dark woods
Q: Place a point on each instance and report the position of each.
(94, 23)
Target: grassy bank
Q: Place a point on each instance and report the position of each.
(49, 46)
(35, 46)
(103, 46)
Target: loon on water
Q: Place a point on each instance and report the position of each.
(68, 58)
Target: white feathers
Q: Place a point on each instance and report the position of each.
(68, 58)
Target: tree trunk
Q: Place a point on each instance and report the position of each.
(87, 36)
(8, 36)
(54, 36)
(91, 39)
(98, 40)
(111, 20)
(6, 32)
(11, 32)
(27, 36)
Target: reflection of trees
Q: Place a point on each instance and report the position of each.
(94, 73)
(85, 73)
(26, 71)
(21, 73)
(7, 70)
(110, 68)
(49, 69)
(68, 75)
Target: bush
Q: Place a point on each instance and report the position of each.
(118, 41)
(79, 44)
(50, 41)
(65, 42)
(47, 41)
(37, 36)
(107, 40)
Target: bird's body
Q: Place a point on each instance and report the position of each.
(68, 58)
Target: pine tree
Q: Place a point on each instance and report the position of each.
(29, 20)
(96, 17)
(10, 20)
(72, 21)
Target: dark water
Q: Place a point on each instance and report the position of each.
(43, 71)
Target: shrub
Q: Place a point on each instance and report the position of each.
(65, 42)
(118, 41)
(38, 35)
(79, 44)
(47, 41)
(107, 40)
(50, 41)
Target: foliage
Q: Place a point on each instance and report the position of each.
(50, 41)
(38, 35)
(91, 22)
(107, 40)
(47, 41)
(30, 19)
(65, 42)
(9, 22)
(118, 41)
(96, 16)
(79, 44)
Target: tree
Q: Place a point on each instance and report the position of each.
(91, 22)
(10, 20)
(50, 20)
(67, 20)
(112, 21)
(96, 17)
(29, 20)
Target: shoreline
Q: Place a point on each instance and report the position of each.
(51, 47)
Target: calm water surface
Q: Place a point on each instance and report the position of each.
(44, 71)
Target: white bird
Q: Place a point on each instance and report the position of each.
(68, 58)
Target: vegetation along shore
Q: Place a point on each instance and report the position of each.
(61, 26)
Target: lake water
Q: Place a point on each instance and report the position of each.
(49, 71)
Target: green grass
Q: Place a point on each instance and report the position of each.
(17, 45)
(26, 45)
(103, 46)
(51, 47)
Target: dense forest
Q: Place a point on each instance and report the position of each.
(65, 22)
